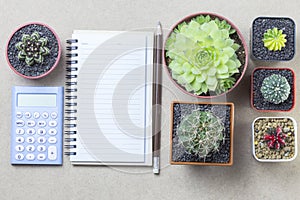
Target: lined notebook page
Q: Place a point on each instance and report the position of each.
(114, 97)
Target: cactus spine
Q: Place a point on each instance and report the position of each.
(201, 133)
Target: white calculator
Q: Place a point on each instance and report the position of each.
(37, 125)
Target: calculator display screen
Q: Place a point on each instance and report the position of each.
(37, 100)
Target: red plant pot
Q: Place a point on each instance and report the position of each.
(257, 101)
(241, 38)
(42, 69)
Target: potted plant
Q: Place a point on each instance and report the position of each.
(273, 89)
(274, 139)
(202, 133)
(33, 50)
(205, 55)
(273, 38)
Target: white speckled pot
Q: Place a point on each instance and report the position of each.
(256, 143)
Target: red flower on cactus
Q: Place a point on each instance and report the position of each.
(275, 140)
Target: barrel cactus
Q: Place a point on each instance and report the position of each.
(274, 39)
(200, 133)
(275, 88)
(202, 56)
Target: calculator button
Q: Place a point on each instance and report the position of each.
(41, 156)
(30, 148)
(41, 140)
(42, 123)
(30, 131)
(19, 114)
(41, 148)
(30, 140)
(20, 131)
(20, 148)
(20, 123)
(52, 140)
(36, 115)
(30, 156)
(41, 131)
(45, 115)
(19, 156)
(27, 115)
(52, 131)
(52, 153)
(52, 123)
(30, 123)
(20, 140)
(53, 115)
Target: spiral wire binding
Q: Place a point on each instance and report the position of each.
(71, 97)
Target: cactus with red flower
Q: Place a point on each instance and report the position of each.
(275, 139)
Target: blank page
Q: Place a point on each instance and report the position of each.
(114, 97)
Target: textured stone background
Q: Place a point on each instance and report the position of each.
(246, 179)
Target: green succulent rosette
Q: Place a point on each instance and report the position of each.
(202, 56)
(32, 48)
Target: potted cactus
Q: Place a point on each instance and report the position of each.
(33, 50)
(202, 133)
(206, 55)
(273, 89)
(273, 38)
(274, 139)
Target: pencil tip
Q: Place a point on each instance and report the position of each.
(159, 28)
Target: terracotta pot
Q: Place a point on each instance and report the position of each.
(223, 155)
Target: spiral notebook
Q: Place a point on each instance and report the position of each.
(108, 98)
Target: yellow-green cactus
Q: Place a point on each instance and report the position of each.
(274, 39)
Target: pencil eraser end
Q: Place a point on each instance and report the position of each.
(156, 171)
(156, 165)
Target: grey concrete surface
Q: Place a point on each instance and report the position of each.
(246, 179)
